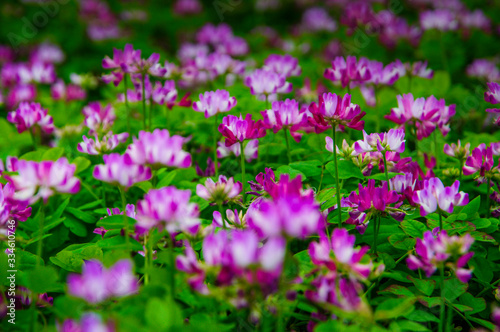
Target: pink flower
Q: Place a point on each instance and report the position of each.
(235, 219)
(317, 19)
(440, 19)
(149, 66)
(97, 284)
(371, 200)
(222, 191)
(250, 151)
(164, 95)
(267, 82)
(283, 64)
(11, 209)
(345, 71)
(88, 323)
(159, 149)
(121, 58)
(345, 256)
(457, 150)
(168, 208)
(187, 7)
(212, 103)
(480, 161)
(435, 195)
(437, 248)
(393, 140)
(121, 170)
(483, 69)
(107, 144)
(285, 115)
(492, 96)
(20, 93)
(290, 213)
(43, 179)
(333, 110)
(29, 115)
(236, 129)
(420, 69)
(98, 118)
(59, 91)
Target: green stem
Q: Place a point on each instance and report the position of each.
(125, 219)
(147, 256)
(416, 144)
(461, 169)
(449, 318)
(287, 145)
(339, 209)
(221, 211)
(171, 275)
(402, 257)
(126, 102)
(150, 113)
(87, 187)
(436, 149)
(488, 189)
(41, 220)
(216, 162)
(375, 234)
(442, 309)
(440, 221)
(242, 155)
(385, 170)
(144, 101)
(461, 315)
(267, 102)
(33, 138)
(103, 186)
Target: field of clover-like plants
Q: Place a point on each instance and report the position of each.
(244, 166)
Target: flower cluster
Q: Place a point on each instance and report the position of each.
(434, 195)
(30, 115)
(439, 250)
(97, 284)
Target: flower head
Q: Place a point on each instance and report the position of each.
(159, 149)
(267, 82)
(347, 70)
(435, 195)
(283, 64)
(167, 208)
(437, 249)
(98, 118)
(236, 129)
(285, 114)
(219, 192)
(121, 170)
(43, 179)
(393, 140)
(333, 110)
(107, 144)
(29, 115)
(97, 283)
(212, 103)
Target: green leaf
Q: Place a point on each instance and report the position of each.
(167, 179)
(477, 304)
(426, 286)
(115, 222)
(347, 170)
(489, 325)
(161, 315)
(472, 208)
(285, 169)
(483, 269)
(43, 279)
(413, 228)
(401, 241)
(407, 325)
(453, 288)
(397, 290)
(144, 185)
(81, 163)
(422, 316)
(53, 154)
(429, 302)
(83, 216)
(71, 258)
(481, 223)
(75, 226)
(381, 176)
(392, 308)
(32, 156)
(119, 242)
(308, 167)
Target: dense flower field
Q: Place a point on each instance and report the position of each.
(249, 165)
